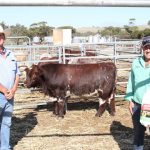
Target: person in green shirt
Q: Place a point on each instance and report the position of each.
(138, 84)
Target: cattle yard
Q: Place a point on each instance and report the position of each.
(34, 126)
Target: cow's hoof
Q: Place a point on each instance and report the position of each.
(112, 114)
(60, 116)
(54, 115)
(98, 115)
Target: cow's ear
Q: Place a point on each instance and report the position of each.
(33, 65)
(37, 70)
(26, 70)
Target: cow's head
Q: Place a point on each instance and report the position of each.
(32, 76)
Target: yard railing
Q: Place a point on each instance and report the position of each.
(120, 52)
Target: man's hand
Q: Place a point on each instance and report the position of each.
(9, 94)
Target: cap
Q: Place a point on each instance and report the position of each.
(146, 41)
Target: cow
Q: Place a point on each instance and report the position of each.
(62, 80)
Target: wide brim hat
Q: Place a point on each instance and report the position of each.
(6, 32)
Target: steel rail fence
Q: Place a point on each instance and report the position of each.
(112, 53)
(95, 3)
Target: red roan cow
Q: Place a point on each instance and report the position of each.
(61, 80)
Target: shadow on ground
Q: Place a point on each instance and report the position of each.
(21, 127)
(124, 136)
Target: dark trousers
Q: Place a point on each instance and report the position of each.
(139, 129)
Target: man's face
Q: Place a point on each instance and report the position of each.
(2, 38)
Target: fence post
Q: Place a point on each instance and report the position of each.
(64, 57)
(115, 50)
(82, 49)
(60, 54)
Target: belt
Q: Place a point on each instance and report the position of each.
(1, 93)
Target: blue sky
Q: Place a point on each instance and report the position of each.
(74, 16)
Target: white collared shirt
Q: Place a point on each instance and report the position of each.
(8, 69)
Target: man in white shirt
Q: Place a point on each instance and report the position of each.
(9, 79)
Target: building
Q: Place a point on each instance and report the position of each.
(62, 36)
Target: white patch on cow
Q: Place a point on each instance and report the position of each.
(100, 90)
(94, 93)
(52, 99)
(68, 93)
(69, 78)
(101, 101)
(59, 100)
(110, 98)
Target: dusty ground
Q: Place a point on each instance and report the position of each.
(38, 129)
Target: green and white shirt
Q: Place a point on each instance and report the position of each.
(139, 81)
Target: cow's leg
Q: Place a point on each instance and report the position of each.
(102, 107)
(61, 107)
(56, 108)
(111, 105)
(67, 96)
(65, 105)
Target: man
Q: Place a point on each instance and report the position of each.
(9, 78)
(138, 85)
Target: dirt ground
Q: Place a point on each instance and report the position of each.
(37, 128)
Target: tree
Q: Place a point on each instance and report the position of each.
(38, 24)
(40, 29)
(3, 24)
(133, 31)
(110, 31)
(19, 30)
(132, 21)
(33, 25)
(42, 23)
(148, 23)
(146, 32)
